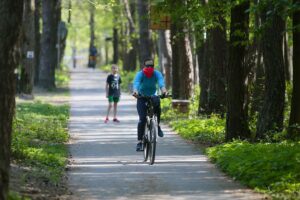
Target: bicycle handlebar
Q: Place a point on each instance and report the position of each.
(162, 96)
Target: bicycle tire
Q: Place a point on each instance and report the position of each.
(152, 141)
(146, 143)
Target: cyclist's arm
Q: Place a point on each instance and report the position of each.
(136, 82)
(161, 82)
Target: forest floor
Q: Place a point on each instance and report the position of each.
(28, 181)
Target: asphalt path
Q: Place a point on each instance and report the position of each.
(105, 165)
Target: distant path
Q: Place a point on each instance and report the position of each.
(105, 165)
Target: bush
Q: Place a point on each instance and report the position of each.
(208, 131)
(273, 168)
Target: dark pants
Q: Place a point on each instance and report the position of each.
(142, 111)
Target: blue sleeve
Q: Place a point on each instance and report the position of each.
(137, 81)
(160, 79)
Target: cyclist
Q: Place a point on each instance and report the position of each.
(145, 83)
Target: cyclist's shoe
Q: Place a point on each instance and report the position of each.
(116, 120)
(139, 146)
(106, 120)
(160, 132)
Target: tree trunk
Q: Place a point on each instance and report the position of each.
(182, 63)
(236, 121)
(117, 14)
(175, 64)
(286, 54)
(203, 55)
(131, 54)
(271, 115)
(294, 123)
(59, 44)
(165, 55)
(92, 33)
(10, 25)
(218, 43)
(37, 33)
(28, 49)
(259, 73)
(145, 43)
(48, 51)
(115, 45)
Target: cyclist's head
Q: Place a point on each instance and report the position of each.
(148, 62)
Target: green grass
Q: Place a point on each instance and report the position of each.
(39, 134)
(273, 168)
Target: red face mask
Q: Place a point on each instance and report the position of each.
(148, 71)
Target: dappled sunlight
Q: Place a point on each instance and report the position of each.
(105, 165)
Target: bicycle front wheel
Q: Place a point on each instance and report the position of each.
(146, 143)
(152, 141)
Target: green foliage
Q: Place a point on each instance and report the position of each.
(39, 134)
(273, 168)
(204, 130)
(127, 79)
(16, 196)
(62, 77)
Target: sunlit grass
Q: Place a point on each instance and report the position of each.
(39, 134)
(273, 168)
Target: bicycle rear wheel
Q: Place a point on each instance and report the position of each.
(146, 143)
(152, 141)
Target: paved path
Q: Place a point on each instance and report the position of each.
(105, 165)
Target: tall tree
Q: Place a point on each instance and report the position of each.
(271, 115)
(92, 26)
(236, 121)
(37, 33)
(28, 49)
(203, 55)
(48, 42)
(130, 54)
(165, 55)
(294, 130)
(218, 48)
(182, 61)
(10, 25)
(145, 42)
(116, 34)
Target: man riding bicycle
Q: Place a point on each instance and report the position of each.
(144, 84)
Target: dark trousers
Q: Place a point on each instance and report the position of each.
(142, 111)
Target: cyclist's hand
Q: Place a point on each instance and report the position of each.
(135, 93)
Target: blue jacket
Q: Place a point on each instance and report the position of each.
(147, 86)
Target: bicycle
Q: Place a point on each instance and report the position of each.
(151, 128)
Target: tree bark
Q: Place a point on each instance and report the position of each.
(165, 55)
(28, 47)
(203, 55)
(116, 13)
(145, 42)
(115, 45)
(48, 42)
(131, 54)
(37, 33)
(218, 43)
(287, 61)
(271, 115)
(236, 120)
(10, 26)
(294, 123)
(92, 35)
(182, 69)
